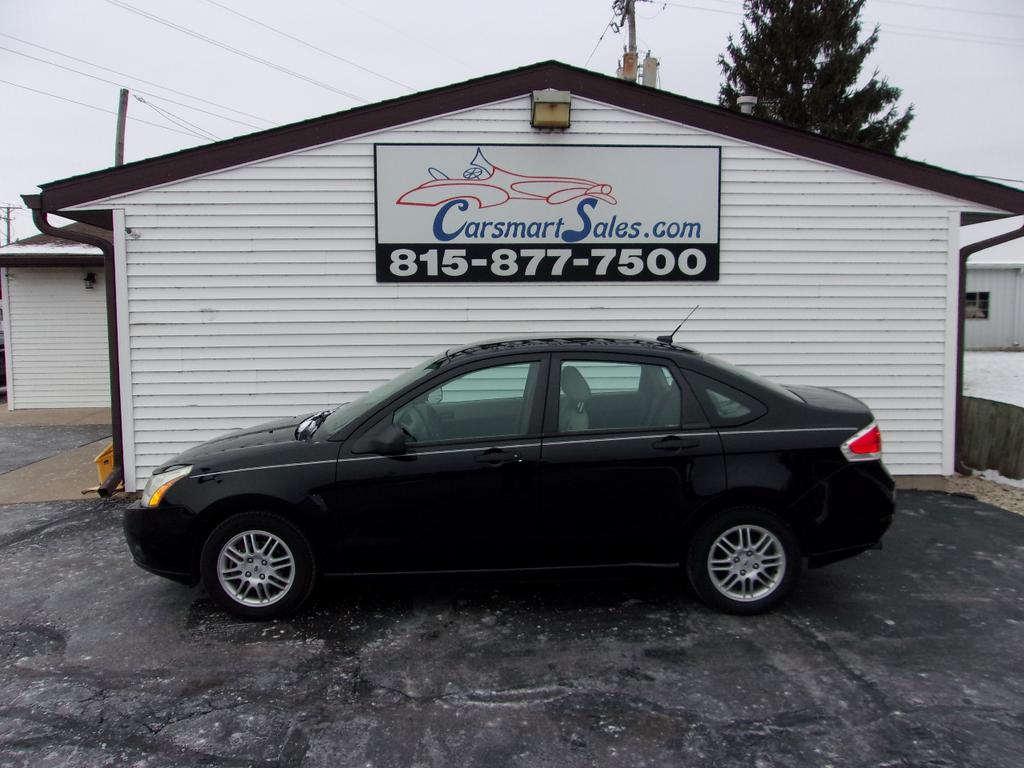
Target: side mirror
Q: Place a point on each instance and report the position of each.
(387, 441)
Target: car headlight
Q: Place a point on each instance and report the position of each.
(160, 483)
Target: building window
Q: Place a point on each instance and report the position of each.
(976, 305)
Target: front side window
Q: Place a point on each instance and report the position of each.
(493, 402)
(600, 395)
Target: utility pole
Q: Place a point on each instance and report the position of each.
(627, 19)
(7, 215)
(122, 117)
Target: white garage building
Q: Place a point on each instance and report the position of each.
(54, 322)
(292, 269)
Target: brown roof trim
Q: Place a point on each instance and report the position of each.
(968, 218)
(520, 82)
(51, 260)
(97, 219)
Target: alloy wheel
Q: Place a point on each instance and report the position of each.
(256, 568)
(746, 562)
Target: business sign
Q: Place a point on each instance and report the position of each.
(513, 213)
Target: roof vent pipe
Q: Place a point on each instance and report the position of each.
(747, 104)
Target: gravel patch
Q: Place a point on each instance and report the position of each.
(998, 495)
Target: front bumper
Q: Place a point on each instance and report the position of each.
(162, 541)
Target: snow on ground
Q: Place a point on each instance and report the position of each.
(995, 376)
(995, 477)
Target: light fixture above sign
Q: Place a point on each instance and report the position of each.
(551, 109)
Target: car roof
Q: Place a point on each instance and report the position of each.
(629, 344)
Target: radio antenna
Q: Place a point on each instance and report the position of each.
(668, 339)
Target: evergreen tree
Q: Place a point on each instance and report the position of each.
(802, 60)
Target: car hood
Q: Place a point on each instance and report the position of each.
(270, 436)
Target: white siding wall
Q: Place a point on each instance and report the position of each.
(1005, 322)
(252, 294)
(58, 339)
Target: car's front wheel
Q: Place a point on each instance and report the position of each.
(257, 565)
(744, 560)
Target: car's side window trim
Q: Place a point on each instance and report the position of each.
(440, 379)
(687, 396)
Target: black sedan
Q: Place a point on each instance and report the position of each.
(526, 454)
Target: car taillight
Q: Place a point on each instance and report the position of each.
(866, 445)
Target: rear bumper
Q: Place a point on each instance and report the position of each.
(857, 507)
(161, 541)
(818, 559)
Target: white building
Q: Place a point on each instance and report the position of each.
(268, 275)
(54, 322)
(995, 290)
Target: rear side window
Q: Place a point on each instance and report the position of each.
(725, 405)
(603, 395)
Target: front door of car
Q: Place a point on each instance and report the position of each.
(454, 499)
(627, 455)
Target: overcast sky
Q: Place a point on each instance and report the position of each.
(960, 62)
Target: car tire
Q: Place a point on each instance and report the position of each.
(744, 560)
(257, 565)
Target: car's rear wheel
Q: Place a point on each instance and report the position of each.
(744, 560)
(257, 565)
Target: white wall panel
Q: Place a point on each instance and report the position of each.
(1004, 326)
(252, 292)
(58, 339)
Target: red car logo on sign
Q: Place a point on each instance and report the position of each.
(489, 185)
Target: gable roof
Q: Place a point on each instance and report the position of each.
(40, 243)
(90, 187)
(48, 251)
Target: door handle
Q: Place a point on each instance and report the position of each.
(674, 443)
(496, 457)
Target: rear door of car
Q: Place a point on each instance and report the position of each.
(626, 456)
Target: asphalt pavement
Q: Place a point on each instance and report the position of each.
(909, 656)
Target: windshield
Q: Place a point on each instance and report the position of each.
(349, 412)
(761, 381)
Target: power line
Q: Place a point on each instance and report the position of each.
(139, 79)
(900, 30)
(598, 43)
(656, 15)
(181, 122)
(93, 106)
(968, 11)
(695, 7)
(232, 49)
(119, 84)
(420, 41)
(310, 45)
(910, 3)
(940, 34)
